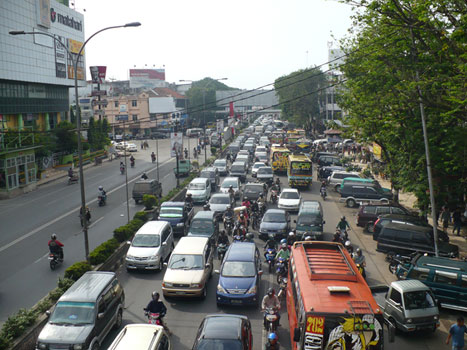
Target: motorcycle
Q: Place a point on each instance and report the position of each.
(122, 170)
(273, 196)
(270, 257)
(221, 250)
(282, 289)
(101, 200)
(55, 260)
(132, 163)
(238, 238)
(88, 217)
(262, 208)
(281, 269)
(153, 159)
(398, 262)
(73, 179)
(361, 269)
(255, 220)
(323, 193)
(228, 225)
(270, 319)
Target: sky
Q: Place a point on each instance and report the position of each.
(250, 42)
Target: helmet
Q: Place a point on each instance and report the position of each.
(249, 235)
(188, 195)
(284, 246)
(358, 251)
(206, 207)
(241, 215)
(347, 244)
(271, 292)
(155, 295)
(272, 338)
(231, 186)
(307, 238)
(291, 233)
(101, 188)
(54, 236)
(342, 217)
(283, 241)
(271, 236)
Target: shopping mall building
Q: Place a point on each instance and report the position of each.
(35, 75)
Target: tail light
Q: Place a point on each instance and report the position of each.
(376, 223)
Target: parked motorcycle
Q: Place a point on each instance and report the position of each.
(398, 262)
(73, 179)
(221, 250)
(281, 269)
(270, 256)
(270, 319)
(55, 260)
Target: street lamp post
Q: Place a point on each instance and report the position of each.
(78, 115)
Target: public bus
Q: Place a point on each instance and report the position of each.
(329, 304)
(303, 145)
(277, 137)
(299, 170)
(279, 159)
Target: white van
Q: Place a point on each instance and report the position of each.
(151, 246)
(141, 337)
(194, 132)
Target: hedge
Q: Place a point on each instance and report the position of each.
(103, 251)
(125, 232)
(78, 269)
(141, 215)
(149, 201)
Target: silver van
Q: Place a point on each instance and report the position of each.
(85, 314)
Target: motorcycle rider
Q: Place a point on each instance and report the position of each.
(272, 343)
(144, 176)
(132, 161)
(195, 153)
(223, 238)
(359, 259)
(70, 173)
(246, 203)
(229, 213)
(343, 225)
(102, 193)
(186, 152)
(292, 238)
(254, 207)
(270, 300)
(270, 243)
(278, 184)
(206, 207)
(249, 237)
(122, 167)
(232, 191)
(157, 307)
(283, 253)
(189, 200)
(243, 220)
(153, 157)
(55, 246)
(261, 202)
(322, 189)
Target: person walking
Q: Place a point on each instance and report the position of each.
(445, 218)
(457, 221)
(456, 332)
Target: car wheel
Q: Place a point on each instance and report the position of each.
(336, 188)
(119, 320)
(384, 201)
(351, 203)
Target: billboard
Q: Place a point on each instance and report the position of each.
(98, 74)
(147, 78)
(176, 143)
(220, 126)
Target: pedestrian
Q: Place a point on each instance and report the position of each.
(456, 332)
(142, 144)
(445, 218)
(146, 145)
(457, 221)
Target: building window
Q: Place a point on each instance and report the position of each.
(152, 117)
(135, 117)
(134, 103)
(12, 181)
(116, 104)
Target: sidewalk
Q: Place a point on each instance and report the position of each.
(408, 200)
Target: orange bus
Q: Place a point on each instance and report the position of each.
(329, 304)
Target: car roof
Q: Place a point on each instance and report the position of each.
(204, 214)
(221, 160)
(89, 287)
(257, 163)
(137, 336)
(267, 167)
(173, 204)
(199, 180)
(152, 227)
(222, 326)
(190, 245)
(241, 251)
(211, 168)
(409, 286)
(441, 263)
(231, 178)
(404, 227)
(220, 195)
(310, 205)
(289, 190)
(255, 184)
(277, 211)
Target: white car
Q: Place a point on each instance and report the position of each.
(255, 167)
(131, 147)
(289, 199)
(142, 336)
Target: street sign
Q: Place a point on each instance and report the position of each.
(98, 93)
(100, 103)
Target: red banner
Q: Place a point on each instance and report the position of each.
(231, 108)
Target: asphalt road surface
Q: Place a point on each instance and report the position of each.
(28, 221)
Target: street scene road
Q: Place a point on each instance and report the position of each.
(28, 221)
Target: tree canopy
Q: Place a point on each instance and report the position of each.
(401, 53)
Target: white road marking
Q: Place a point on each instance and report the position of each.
(29, 234)
(42, 257)
(95, 222)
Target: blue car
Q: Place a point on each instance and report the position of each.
(240, 276)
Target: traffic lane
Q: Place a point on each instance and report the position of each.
(29, 279)
(378, 272)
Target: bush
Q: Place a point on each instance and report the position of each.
(123, 233)
(141, 215)
(213, 150)
(103, 251)
(15, 325)
(5, 341)
(367, 173)
(149, 201)
(78, 269)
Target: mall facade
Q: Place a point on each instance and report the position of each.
(35, 75)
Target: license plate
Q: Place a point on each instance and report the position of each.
(236, 301)
(180, 293)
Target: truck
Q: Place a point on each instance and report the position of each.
(408, 305)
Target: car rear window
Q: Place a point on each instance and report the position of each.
(369, 210)
(142, 187)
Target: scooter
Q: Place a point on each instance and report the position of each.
(132, 163)
(221, 250)
(255, 220)
(73, 179)
(101, 200)
(273, 196)
(281, 269)
(238, 238)
(122, 170)
(270, 257)
(323, 193)
(270, 319)
(154, 318)
(55, 260)
(228, 225)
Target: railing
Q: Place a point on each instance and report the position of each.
(14, 139)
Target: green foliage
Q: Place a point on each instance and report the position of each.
(15, 325)
(98, 133)
(149, 201)
(141, 215)
(66, 138)
(75, 271)
(123, 233)
(394, 41)
(213, 150)
(5, 341)
(103, 251)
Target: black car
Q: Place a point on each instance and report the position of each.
(354, 193)
(178, 214)
(408, 239)
(368, 214)
(252, 191)
(329, 160)
(326, 171)
(319, 154)
(159, 135)
(224, 331)
(239, 169)
(385, 219)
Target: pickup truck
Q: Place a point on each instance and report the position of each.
(408, 305)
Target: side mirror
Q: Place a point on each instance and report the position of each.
(260, 272)
(100, 316)
(164, 244)
(296, 335)
(128, 242)
(165, 264)
(216, 271)
(48, 313)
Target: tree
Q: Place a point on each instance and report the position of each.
(66, 137)
(391, 42)
(299, 96)
(92, 132)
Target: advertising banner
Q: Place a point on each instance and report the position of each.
(123, 108)
(43, 13)
(98, 74)
(60, 57)
(220, 126)
(175, 143)
(74, 46)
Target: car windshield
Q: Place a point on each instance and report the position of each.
(196, 186)
(219, 344)
(171, 212)
(220, 200)
(238, 269)
(420, 299)
(264, 171)
(73, 313)
(253, 189)
(220, 163)
(239, 168)
(290, 195)
(142, 240)
(201, 227)
(207, 174)
(227, 184)
(307, 219)
(274, 217)
(186, 262)
(258, 165)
